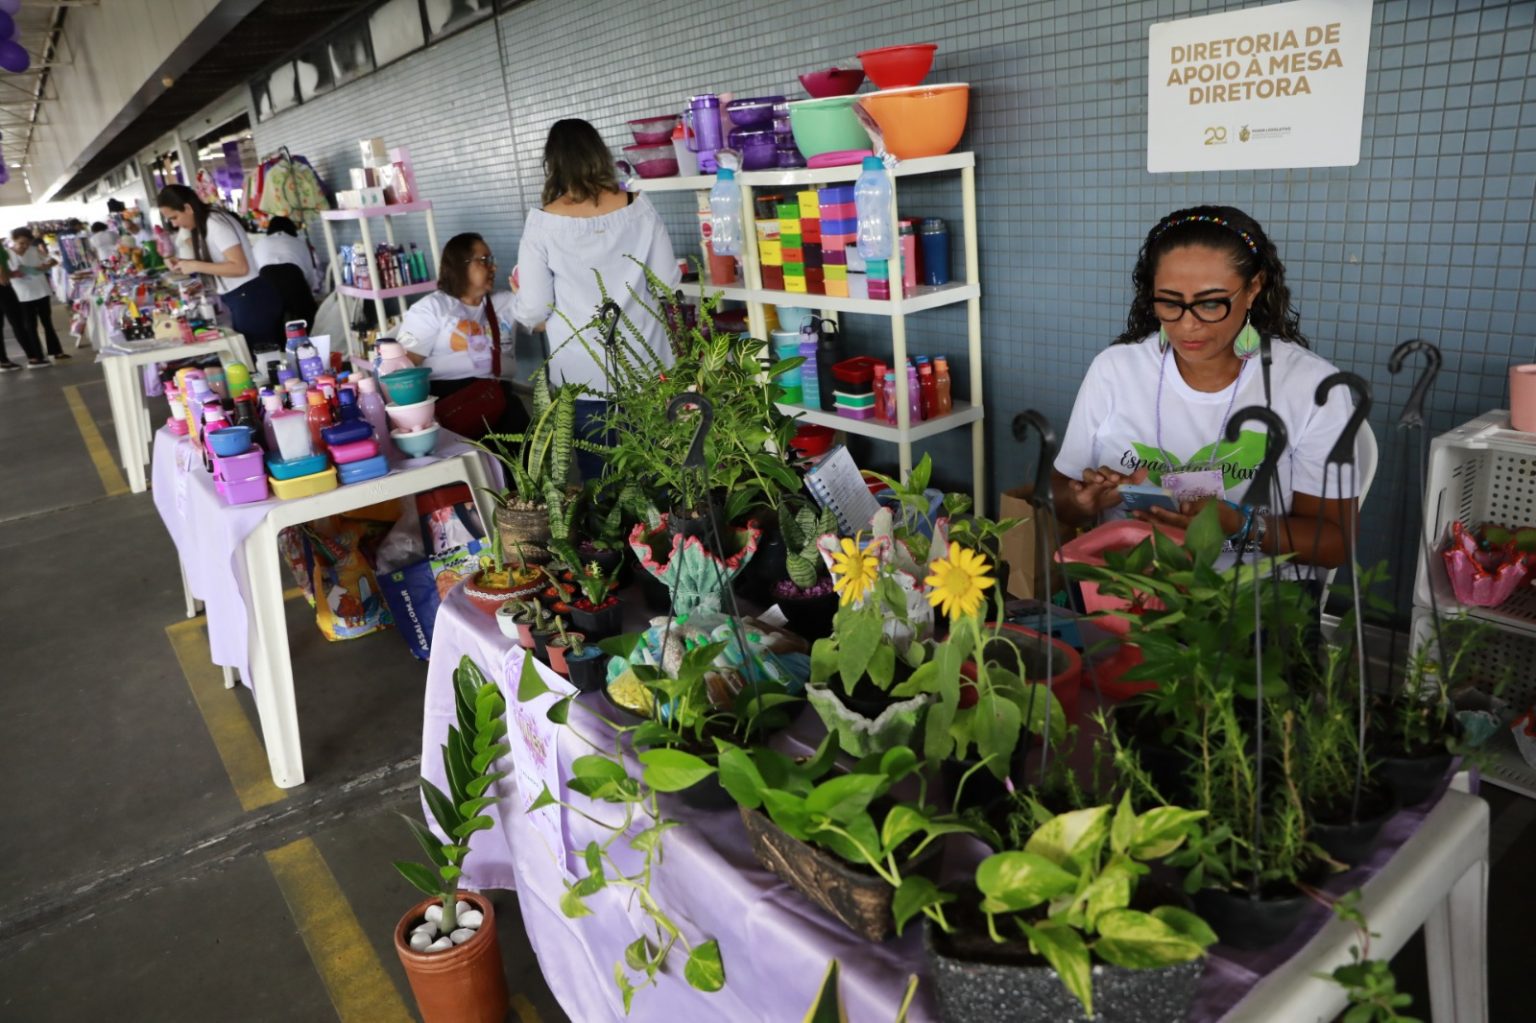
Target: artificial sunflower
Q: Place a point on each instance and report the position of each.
(958, 581)
(853, 571)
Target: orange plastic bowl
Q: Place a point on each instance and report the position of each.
(892, 67)
(924, 120)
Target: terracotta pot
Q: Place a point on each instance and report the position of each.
(556, 651)
(488, 598)
(527, 529)
(463, 984)
(857, 899)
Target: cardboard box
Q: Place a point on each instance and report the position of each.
(1028, 575)
(375, 153)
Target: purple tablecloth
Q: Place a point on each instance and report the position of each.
(208, 533)
(774, 943)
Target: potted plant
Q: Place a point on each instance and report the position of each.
(558, 646)
(836, 838)
(587, 664)
(625, 861)
(497, 582)
(547, 628)
(1060, 929)
(805, 594)
(598, 612)
(537, 463)
(450, 954)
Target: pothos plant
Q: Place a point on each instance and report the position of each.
(1069, 890)
(474, 744)
(601, 777)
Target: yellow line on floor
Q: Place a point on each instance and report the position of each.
(244, 757)
(525, 1010)
(359, 988)
(101, 456)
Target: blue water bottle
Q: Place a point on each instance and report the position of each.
(872, 201)
(725, 214)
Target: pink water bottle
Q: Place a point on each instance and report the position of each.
(914, 396)
(890, 397)
(371, 403)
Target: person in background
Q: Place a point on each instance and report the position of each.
(1210, 309)
(11, 309)
(34, 294)
(451, 330)
(588, 227)
(282, 244)
(222, 251)
(103, 241)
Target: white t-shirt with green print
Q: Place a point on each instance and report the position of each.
(1114, 421)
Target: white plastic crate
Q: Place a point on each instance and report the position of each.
(1501, 655)
(1481, 472)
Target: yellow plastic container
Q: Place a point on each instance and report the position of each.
(810, 205)
(835, 272)
(304, 486)
(770, 253)
(794, 284)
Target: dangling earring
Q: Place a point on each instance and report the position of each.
(1162, 340)
(1246, 344)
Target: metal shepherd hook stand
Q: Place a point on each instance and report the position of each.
(1258, 495)
(1343, 454)
(1040, 500)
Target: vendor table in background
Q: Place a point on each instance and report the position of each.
(125, 391)
(229, 560)
(1430, 870)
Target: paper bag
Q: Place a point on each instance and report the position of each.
(1027, 577)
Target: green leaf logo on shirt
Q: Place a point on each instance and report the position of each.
(1238, 460)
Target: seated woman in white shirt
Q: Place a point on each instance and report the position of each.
(588, 227)
(462, 331)
(1210, 298)
(223, 252)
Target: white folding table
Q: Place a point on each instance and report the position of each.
(1438, 880)
(271, 671)
(125, 392)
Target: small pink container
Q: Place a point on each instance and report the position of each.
(410, 418)
(1522, 398)
(856, 413)
(244, 491)
(354, 451)
(176, 426)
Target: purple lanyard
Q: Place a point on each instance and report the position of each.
(1162, 371)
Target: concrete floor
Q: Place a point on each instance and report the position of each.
(134, 885)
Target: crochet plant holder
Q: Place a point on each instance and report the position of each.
(695, 578)
(860, 736)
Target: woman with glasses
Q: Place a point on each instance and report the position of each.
(1211, 330)
(463, 332)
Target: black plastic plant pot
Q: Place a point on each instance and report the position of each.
(588, 672)
(1249, 923)
(541, 638)
(601, 624)
(708, 795)
(981, 789)
(810, 617)
(1006, 984)
(1414, 779)
(1351, 841)
(766, 567)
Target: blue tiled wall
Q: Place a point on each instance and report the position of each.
(1429, 236)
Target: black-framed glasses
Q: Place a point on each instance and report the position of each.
(1206, 310)
(489, 261)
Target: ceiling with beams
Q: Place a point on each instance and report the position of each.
(20, 95)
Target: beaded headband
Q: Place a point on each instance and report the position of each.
(1206, 218)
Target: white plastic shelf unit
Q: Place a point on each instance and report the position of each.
(375, 291)
(966, 288)
(1484, 472)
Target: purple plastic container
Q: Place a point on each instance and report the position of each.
(752, 113)
(244, 491)
(703, 119)
(238, 468)
(758, 147)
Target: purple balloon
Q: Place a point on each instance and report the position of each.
(13, 57)
(5, 174)
(7, 25)
(10, 6)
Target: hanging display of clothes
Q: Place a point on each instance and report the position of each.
(286, 186)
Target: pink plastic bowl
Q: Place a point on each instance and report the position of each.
(834, 81)
(653, 131)
(408, 418)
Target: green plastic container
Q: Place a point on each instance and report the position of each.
(826, 126)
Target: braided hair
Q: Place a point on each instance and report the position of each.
(1228, 230)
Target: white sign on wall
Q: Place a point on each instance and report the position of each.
(1277, 86)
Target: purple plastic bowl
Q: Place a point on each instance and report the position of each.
(749, 113)
(758, 147)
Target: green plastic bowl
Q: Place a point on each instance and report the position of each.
(407, 386)
(826, 126)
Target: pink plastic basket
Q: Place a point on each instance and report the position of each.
(1090, 548)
